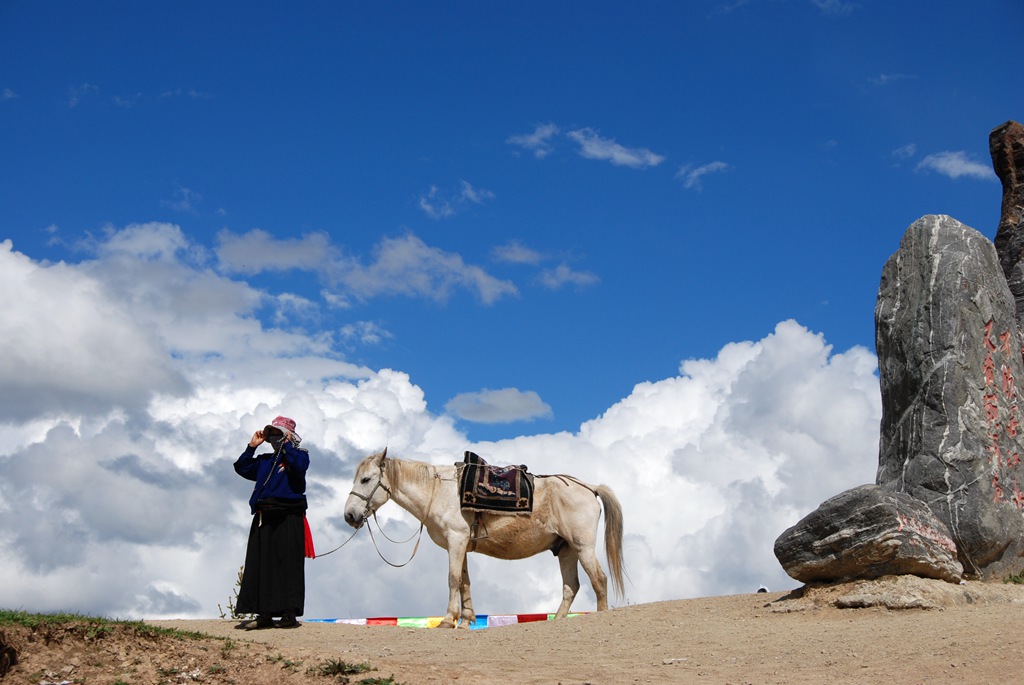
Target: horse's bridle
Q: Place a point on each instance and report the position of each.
(380, 484)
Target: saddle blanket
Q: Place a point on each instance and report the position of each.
(495, 489)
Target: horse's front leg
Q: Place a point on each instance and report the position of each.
(468, 615)
(456, 565)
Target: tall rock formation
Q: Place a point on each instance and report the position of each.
(1006, 145)
(948, 334)
(949, 356)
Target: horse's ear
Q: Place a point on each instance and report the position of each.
(384, 454)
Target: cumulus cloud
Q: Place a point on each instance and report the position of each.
(498, 406)
(955, 165)
(593, 146)
(120, 498)
(76, 350)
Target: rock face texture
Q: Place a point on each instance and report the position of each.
(949, 354)
(1006, 144)
(868, 532)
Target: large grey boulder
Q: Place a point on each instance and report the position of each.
(868, 532)
(949, 356)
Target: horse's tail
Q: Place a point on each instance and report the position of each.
(613, 537)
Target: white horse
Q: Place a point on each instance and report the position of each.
(564, 521)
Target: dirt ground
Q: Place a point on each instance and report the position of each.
(899, 631)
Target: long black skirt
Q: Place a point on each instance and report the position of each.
(274, 580)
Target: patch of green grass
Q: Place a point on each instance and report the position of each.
(1017, 579)
(285, 663)
(390, 680)
(94, 626)
(337, 667)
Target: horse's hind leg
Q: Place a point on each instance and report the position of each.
(599, 581)
(568, 561)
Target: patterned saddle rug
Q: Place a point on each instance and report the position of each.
(495, 489)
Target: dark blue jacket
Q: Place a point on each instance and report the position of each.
(288, 480)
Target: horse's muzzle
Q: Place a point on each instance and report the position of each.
(353, 520)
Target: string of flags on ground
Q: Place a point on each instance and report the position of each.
(482, 620)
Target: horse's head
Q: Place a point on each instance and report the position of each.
(370, 489)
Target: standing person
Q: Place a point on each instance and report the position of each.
(273, 580)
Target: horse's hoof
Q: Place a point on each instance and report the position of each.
(446, 624)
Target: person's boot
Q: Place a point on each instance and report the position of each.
(262, 621)
(288, 621)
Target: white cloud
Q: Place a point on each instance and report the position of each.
(127, 101)
(408, 266)
(692, 176)
(552, 278)
(886, 79)
(365, 332)
(437, 204)
(186, 200)
(593, 146)
(498, 406)
(905, 152)
(8, 94)
(955, 165)
(475, 195)
(119, 497)
(538, 142)
(78, 94)
(71, 347)
(257, 251)
(563, 274)
(838, 8)
(516, 253)
(400, 266)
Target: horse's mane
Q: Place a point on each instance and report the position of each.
(406, 471)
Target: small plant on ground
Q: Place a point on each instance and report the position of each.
(1017, 579)
(285, 663)
(337, 667)
(233, 600)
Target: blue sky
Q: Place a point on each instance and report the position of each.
(448, 226)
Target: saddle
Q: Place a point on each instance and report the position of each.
(494, 489)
